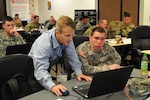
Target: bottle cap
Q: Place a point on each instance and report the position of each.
(144, 54)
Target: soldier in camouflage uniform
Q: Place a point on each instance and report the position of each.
(101, 23)
(83, 24)
(113, 29)
(17, 21)
(122, 28)
(97, 55)
(9, 36)
(34, 25)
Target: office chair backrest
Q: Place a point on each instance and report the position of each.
(78, 39)
(140, 37)
(33, 36)
(24, 23)
(13, 64)
(1, 25)
(80, 32)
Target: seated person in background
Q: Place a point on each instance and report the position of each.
(96, 55)
(32, 17)
(51, 23)
(47, 50)
(112, 29)
(17, 21)
(122, 28)
(127, 25)
(34, 25)
(83, 24)
(101, 23)
(9, 36)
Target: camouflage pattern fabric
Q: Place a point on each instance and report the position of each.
(113, 29)
(9, 41)
(139, 87)
(97, 61)
(126, 29)
(81, 26)
(31, 27)
(18, 24)
(89, 30)
(119, 28)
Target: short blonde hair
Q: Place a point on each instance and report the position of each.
(64, 21)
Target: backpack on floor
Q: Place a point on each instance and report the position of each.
(20, 86)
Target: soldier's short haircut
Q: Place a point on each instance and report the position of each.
(126, 14)
(97, 29)
(16, 14)
(36, 16)
(101, 20)
(6, 18)
(83, 17)
(64, 21)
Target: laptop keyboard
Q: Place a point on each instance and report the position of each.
(84, 91)
(84, 88)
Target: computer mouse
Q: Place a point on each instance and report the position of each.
(65, 93)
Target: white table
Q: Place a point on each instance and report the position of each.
(146, 52)
(112, 42)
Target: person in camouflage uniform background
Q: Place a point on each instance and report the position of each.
(9, 36)
(96, 55)
(122, 28)
(83, 24)
(101, 23)
(17, 21)
(113, 29)
(34, 25)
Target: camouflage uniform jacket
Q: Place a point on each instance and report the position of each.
(9, 41)
(81, 26)
(19, 24)
(31, 27)
(126, 29)
(119, 28)
(113, 29)
(97, 61)
(89, 30)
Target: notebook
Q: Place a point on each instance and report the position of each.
(23, 49)
(105, 83)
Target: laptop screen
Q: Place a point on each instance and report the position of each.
(106, 82)
(23, 49)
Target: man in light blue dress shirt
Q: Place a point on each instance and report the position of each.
(47, 49)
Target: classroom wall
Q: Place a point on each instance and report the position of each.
(63, 7)
(144, 16)
(58, 7)
(67, 7)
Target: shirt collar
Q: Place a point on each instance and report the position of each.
(54, 41)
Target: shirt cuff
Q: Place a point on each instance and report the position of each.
(78, 72)
(49, 85)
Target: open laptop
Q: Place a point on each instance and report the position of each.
(23, 49)
(105, 83)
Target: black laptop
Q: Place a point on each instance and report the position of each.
(23, 49)
(105, 83)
